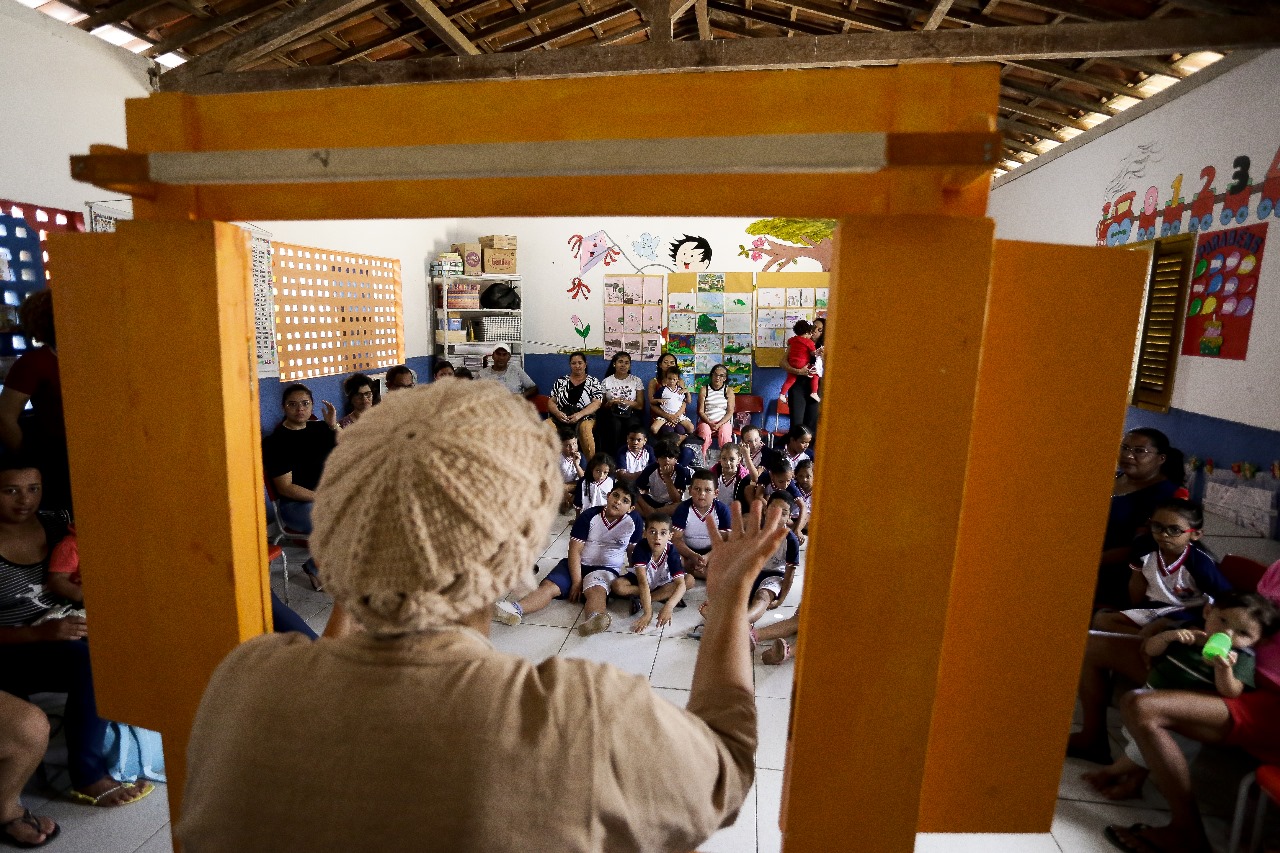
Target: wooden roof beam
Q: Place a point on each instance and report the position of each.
(1023, 44)
(936, 15)
(1056, 95)
(845, 16)
(564, 31)
(1044, 115)
(438, 22)
(1053, 69)
(1072, 9)
(115, 13)
(210, 26)
(506, 25)
(1019, 145)
(703, 17)
(1030, 129)
(361, 50)
(767, 18)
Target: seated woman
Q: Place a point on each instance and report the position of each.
(294, 455)
(715, 409)
(1150, 472)
(49, 655)
(625, 403)
(574, 401)
(358, 389)
(558, 755)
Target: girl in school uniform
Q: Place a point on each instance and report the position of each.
(593, 489)
(732, 477)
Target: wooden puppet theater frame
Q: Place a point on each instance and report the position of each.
(958, 412)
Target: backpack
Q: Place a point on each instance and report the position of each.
(500, 295)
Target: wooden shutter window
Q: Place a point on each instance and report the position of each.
(1160, 337)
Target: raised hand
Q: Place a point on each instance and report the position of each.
(736, 560)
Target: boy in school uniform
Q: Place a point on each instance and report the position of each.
(570, 468)
(663, 482)
(598, 547)
(804, 485)
(774, 581)
(779, 476)
(635, 456)
(697, 521)
(657, 574)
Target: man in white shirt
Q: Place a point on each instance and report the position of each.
(501, 369)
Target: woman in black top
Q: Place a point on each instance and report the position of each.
(574, 401)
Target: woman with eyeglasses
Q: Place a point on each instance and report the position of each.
(294, 455)
(358, 389)
(1150, 471)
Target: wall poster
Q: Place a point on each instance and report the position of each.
(633, 315)
(1224, 290)
(709, 317)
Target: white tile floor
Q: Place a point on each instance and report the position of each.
(666, 657)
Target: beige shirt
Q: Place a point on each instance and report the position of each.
(438, 742)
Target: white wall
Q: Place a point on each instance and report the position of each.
(547, 264)
(1061, 202)
(62, 90)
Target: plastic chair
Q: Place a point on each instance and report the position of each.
(1242, 572)
(780, 407)
(540, 403)
(745, 404)
(274, 548)
(1267, 778)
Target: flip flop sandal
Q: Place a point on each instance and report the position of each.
(78, 797)
(1112, 832)
(32, 821)
(786, 653)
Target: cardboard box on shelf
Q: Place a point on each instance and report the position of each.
(471, 259)
(500, 261)
(463, 295)
(450, 337)
(498, 241)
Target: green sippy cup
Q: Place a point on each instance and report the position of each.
(1217, 646)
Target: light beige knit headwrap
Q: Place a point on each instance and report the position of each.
(434, 504)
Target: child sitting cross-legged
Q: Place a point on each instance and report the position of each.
(779, 476)
(657, 574)
(593, 489)
(664, 481)
(598, 547)
(635, 456)
(753, 453)
(731, 475)
(1178, 663)
(697, 521)
(1173, 575)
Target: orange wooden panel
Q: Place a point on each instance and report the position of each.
(155, 329)
(893, 442)
(1051, 406)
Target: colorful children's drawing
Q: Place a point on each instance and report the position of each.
(613, 319)
(737, 323)
(592, 249)
(739, 367)
(703, 362)
(685, 363)
(682, 302)
(580, 328)
(710, 324)
(683, 322)
(615, 290)
(773, 318)
(680, 344)
(708, 343)
(771, 297)
(650, 347)
(771, 338)
(631, 343)
(737, 302)
(651, 319)
(612, 345)
(793, 298)
(711, 282)
(796, 315)
(1224, 288)
(711, 302)
(633, 319)
(737, 343)
(691, 254)
(820, 296)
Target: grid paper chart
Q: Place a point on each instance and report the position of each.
(336, 312)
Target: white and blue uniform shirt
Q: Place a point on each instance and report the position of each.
(651, 482)
(591, 494)
(661, 569)
(788, 554)
(606, 541)
(728, 492)
(631, 463)
(792, 489)
(696, 525)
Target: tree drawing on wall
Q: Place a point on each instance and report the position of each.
(707, 324)
(785, 241)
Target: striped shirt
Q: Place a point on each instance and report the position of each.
(22, 594)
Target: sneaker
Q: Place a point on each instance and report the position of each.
(597, 623)
(507, 612)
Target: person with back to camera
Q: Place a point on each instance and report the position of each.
(358, 389)
(457, 747)
(294, 455)
(1150, 470)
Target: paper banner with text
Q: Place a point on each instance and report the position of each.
(1224, 292)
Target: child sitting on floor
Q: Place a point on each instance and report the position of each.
(593, 489)
(598, 546)
(779, 476)
(697, 520)
(674, 400)
(774, 581)
(752, 451)
(1173, 575)
(731, 475)
(635, 456)
(1178, 664)
(802, 352)
(796, 447)
(804, 485)
(664, 481)
(657, 574)
(570, 468)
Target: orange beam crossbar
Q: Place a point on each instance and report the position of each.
(1050, 408)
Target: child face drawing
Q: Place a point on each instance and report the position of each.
(689, 258)
(657, 534)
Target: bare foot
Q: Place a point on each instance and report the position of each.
(28, 830)
(1117, 784)
(777, 652)
(1160, 839)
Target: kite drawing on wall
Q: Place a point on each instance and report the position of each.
(593, 249)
